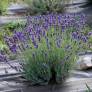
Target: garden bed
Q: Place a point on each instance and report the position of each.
(42, 70)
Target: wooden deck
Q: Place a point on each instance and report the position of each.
(71, 85)
(75, 83)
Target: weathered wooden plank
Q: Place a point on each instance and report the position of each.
(77, 85)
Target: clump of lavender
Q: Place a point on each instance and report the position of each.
(49, 45)
(37, 26)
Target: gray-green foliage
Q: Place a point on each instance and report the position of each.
(3, 6)
(42, 64)
(45, 6)
(36, 71)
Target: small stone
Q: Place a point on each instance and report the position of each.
(84, 62)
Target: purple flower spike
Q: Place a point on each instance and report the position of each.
(13, 48)
(47, 42)
(84, 38)
(3, 58)
(90, 33)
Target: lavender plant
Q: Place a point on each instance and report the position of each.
(49, 46)
(38, 26)
(52, 57)
(46, 6)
